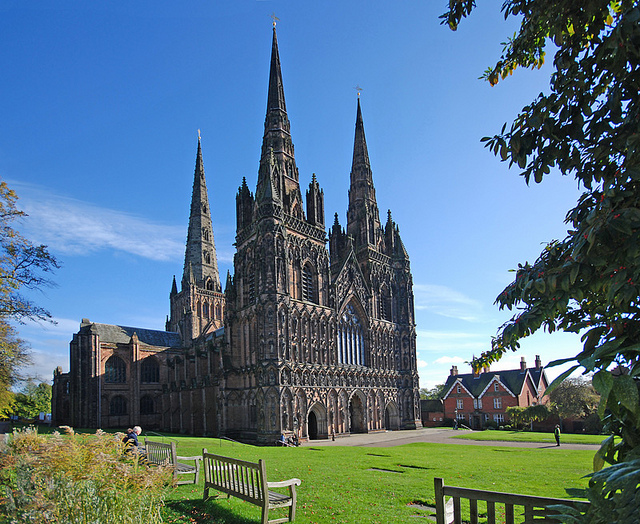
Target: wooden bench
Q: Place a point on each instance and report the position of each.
(536, 509)
(162, 454)
(248, 481)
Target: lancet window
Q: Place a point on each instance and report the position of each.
(350, 338)
(308, 291)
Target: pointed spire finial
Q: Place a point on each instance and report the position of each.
(358, 89)
(275, 19)
(198, 135)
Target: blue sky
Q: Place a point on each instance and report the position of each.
(100, 104)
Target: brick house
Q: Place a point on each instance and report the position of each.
(473, 399)
(432, 413)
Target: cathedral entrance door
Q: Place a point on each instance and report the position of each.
(313, 426)
(391, 419)
(356, 410)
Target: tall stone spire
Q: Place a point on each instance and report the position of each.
(277, 155)
(363, 218)
(200, 260)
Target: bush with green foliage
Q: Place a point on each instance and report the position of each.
(76, 479)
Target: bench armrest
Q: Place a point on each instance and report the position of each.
(196, 458)
(284, 483)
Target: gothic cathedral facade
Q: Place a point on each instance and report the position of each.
(302, 340)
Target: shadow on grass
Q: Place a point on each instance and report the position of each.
(413, 467)
(199, 512)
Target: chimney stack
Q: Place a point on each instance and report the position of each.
(538, 362)
(523, 365)
(454, 371)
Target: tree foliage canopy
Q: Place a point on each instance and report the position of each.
(587, 127)
(435, 393)
(574, 397)
(23, 265)
(35, 398)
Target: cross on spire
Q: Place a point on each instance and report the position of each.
(274, 18)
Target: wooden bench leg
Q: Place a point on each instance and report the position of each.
(292, 508)
(265, 512)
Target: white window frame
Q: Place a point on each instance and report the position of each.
(497, 403)
(460, 403)
(498, 417)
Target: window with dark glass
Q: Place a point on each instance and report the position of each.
(115, 370)
(308, 291)
(118, 406)
(146, 405)
(150, 370)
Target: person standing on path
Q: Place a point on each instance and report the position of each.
(556, 433)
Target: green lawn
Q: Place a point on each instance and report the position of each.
(530, 436)
(354, 485)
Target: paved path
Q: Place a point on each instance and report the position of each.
(439, 435)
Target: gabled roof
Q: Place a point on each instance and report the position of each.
(513, 380)
(122, 335)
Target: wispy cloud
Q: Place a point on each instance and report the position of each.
(49, 345)
(450, 360)
(452, 342)
(447, 302)
(70, 226)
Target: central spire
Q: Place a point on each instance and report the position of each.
(277, 157)
(275, 98)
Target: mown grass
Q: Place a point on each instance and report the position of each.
(531, 436)
(377, 485)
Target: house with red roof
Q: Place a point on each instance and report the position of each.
(474, 399)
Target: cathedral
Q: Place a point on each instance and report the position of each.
(303, 339)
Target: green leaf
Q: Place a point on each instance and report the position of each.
(626, 391)
(603, 382)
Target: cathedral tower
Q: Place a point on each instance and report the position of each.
(199, 306)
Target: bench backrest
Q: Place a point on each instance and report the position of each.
(161, 453)
(245, 480)
(534, 507)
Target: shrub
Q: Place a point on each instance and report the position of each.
(78, 478)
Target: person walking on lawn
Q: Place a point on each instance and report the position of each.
(556, 433)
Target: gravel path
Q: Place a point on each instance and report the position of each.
(438, 435)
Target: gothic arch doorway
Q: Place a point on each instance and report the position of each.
(356, 414)
(317, 422)
(391, 418)
(313, 426)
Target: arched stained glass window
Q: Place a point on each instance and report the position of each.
(350, 338)
(115, 370)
